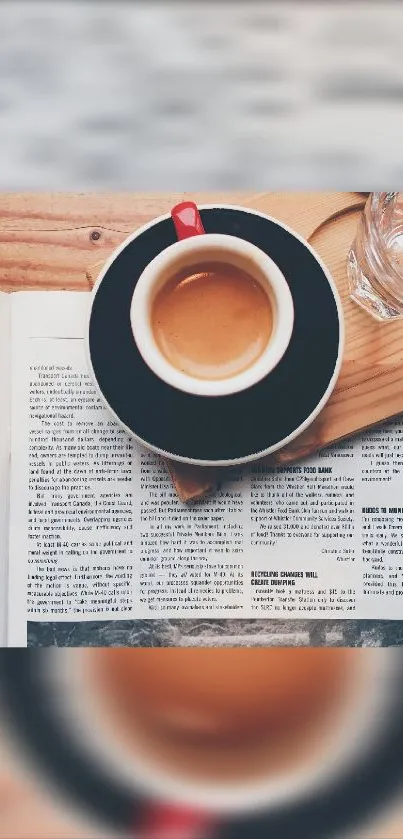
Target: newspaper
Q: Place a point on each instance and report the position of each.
(96, 531)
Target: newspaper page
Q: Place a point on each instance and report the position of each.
(97, 531)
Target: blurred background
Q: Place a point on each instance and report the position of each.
(227, 94)
(191, 96)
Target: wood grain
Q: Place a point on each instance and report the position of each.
(47, 240)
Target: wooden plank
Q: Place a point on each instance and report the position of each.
(47, 241)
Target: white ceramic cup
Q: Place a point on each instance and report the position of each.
(194, 250)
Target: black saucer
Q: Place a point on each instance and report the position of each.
(218, 430)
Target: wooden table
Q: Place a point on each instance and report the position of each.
(47, 241)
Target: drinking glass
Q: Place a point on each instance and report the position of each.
(375, 260)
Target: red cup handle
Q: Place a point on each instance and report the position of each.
(187, 221)
(164, 821)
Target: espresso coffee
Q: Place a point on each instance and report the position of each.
(212, 321)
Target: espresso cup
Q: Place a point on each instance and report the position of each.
(197, 248)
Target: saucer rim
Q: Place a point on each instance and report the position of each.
(304, 425)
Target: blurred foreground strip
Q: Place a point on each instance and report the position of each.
(25, 813)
